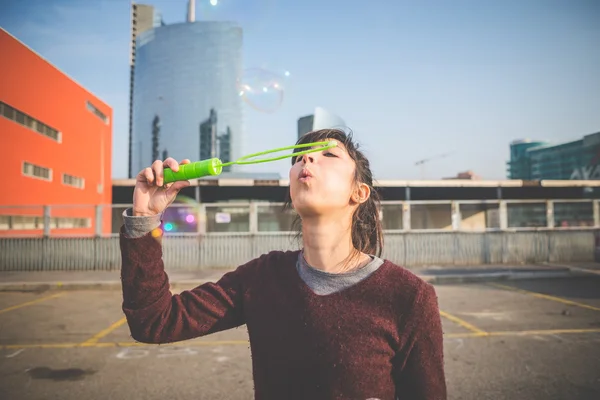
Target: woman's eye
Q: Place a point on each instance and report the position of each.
(330, 155)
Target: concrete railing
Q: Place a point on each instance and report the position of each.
(228, 250)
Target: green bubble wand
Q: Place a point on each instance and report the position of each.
(214, 166)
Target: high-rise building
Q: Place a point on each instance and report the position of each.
(518, 167)
(57, 141)
(213, 144)
(536, 160)
(143, 18)
(184, 74)
(321, 119)
(305, 125)
(208, 137)
(224, 142)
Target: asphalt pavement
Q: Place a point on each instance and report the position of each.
(518, 339)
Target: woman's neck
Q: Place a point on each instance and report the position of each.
(328, 245)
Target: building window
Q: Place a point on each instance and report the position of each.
(23, 222)
(29, 122)
(97, 112)
(74, 181)
(36, 171)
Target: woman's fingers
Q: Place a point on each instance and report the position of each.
(149, 175)
(171, 163)
(155, 173)
(157, 169)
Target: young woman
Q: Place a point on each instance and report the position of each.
(330, 321)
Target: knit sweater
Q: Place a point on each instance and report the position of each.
(380, 338)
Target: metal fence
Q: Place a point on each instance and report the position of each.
(224, 235)
(194, 252)
(187, 216)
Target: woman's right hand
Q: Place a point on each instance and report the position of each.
(150, 195)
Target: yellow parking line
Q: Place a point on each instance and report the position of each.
(246, 342)
(94, 339)
(32, 302)
(543, 332)
(463, 335)
(546, 297)
(39, 346)
(463, 323)
(121, 344)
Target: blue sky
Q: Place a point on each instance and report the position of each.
(413, 79)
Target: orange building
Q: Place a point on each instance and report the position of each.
(57, 141)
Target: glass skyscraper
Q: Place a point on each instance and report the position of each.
(143, 17)
(321, 119)
(186, 101)
(533, 160)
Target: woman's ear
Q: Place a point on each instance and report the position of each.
(361, 193)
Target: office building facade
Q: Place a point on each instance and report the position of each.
(321, 119)
(186, 75)
(58, 141)
(143, 18)
(537, 160)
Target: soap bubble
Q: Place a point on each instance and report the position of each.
(182, 216)
(262, 89)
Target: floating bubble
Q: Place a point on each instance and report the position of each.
(262, 89)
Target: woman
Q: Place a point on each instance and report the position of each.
(330, 321)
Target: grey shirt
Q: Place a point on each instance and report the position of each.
(321, 282)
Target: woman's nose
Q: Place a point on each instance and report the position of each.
(307, 158)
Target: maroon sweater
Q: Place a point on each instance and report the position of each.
(379, 339)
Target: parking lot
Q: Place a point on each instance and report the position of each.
(529, 339)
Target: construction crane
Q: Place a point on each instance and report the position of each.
(426, 160)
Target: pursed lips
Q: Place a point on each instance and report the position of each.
(305, 174)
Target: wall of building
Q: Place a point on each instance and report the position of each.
(321, 119)
(57, 131)
(574, 160)
(182, 72)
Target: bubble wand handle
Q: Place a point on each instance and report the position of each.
(198, 169)
(214, 166)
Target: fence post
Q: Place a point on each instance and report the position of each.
(253, 227)
(456, 217)
(503, 214)
(456, 220)
(253, 215)
(98, 221)
(406, 216)
(46, 221)
(550, 214)
(201, 219)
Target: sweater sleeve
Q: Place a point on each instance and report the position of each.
(154, 315)
(422, 376)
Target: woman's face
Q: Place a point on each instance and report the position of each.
(322, 182)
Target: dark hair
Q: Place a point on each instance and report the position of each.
(367, 231)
